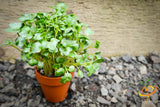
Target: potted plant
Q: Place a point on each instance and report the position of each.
(54, 43)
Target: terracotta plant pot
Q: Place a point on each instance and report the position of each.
(53, 90)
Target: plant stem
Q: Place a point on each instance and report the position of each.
(16, 48)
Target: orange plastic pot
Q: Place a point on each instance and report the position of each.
(53, 90)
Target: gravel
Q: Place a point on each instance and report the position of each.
(116, 85)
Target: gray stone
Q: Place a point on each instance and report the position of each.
(31, 73)
(116, 87)
(40, 105)
(103, 101)
(84, 80)
(117, 79)
(126, 73)
(9, 90)
(143, 69)
(142, 59)
(114, 100)
(108, 86)
(81, 101)
(129, 92)
(92, 105)
(101, 77)
(27, 86)
(11, 68)
(122, 99)
(127, 58)
(114, 58)
(111, 71)
(1, 83)
(32, 103)
(7, 104)
(147, 104)
(154, 98)
(111, 93)
(156, 66)
(119, 67)
(104, 91)
(23, 99)
(11, 76)
(73, 87)
(155, 59)
(102, 68)
(4, 98)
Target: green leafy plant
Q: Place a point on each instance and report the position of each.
(55, 42)
(145, 83)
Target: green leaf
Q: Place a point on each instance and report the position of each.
(36, 47)
(80, 73)
(33, 62)
(26, 17)
(25, 34)
(92, 68)
(148, 79)
(44, 44)
(29, 55)
(40, 64)
(26, 50)
(15, 26)
(70, 43)
(61, 59)
(23, 57)
(55, 66)
(66, 78)
(97, 44)
(8, 42)
(11, 30)
(37, 36)
(98, 55)
(88, 32)
(71, 68)
(33, 30)
(69, 76)
(52, 45)
(59, 72)
(98, 61)
(142, 82)
(65, 51)
(21, 41)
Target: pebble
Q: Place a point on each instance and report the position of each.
(4, 98)
(155, 59)
(11, 68)
(9, 90)
(142, 59)
(103, 101)
(102, 68)
(7, 104)
(104, 91)
(143, 69)
(154, 98)
(127, 58)
(117, 79)
(73, 86)
(147, 104)
(31, 73)
(111, 71)
(92, 105)
(101, 77)
(114, 100)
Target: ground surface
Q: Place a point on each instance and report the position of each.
(116, 85)
(123, 26)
